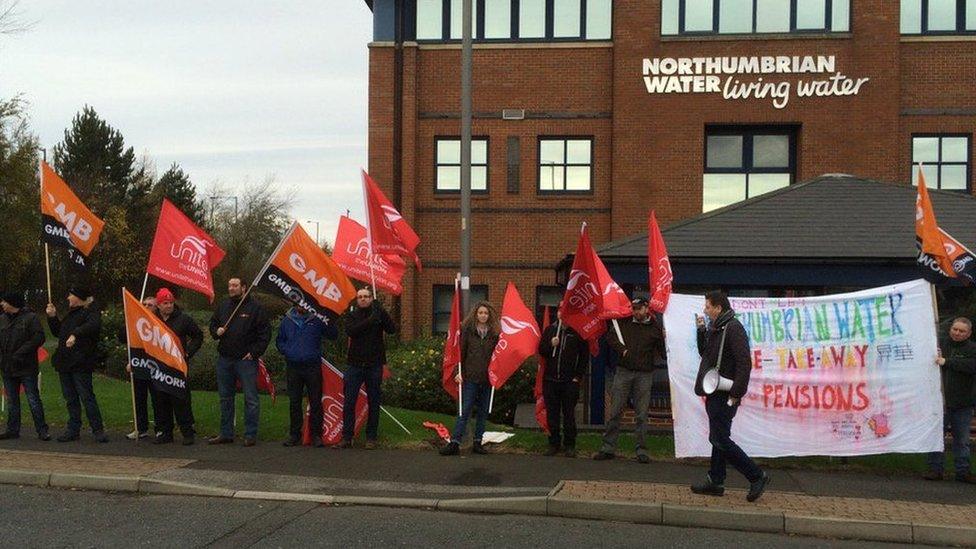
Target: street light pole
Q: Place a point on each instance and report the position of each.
(465, 154)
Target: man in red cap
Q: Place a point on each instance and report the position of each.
(191, 338)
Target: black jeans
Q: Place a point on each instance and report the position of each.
(12, 384)
(167, 407)
(76, 387)
(724, 451)
(560, 398)
(304, 379)
(144, 393)
(354, 378)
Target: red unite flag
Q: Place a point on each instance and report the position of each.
(388, 231)
(183, 253)
(351, 253)
(540, 401)
(264, 382)
(658, 266)
(591, 295)
(332, 403)
(519, 338)
(452, 346)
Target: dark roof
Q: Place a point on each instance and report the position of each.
(832, 216)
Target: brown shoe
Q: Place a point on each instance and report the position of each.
(370, 444)
(250, 442)
(932, 475)
(220, 440)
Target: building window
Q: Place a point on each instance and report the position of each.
(944, 159)
(516, 20)
(741, 163)
(565, 165)
(447, 165)
(547, 296)
(444, 297)
(938, 16)
(754, 16)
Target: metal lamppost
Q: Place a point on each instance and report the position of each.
(465, 154)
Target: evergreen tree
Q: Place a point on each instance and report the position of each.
(175, 185)
(21, 267)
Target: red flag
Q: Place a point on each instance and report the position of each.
(264, 382)
(591, 295)
(452, 346)
(540, 401)
(658, 266)
(388, 231)
(519, 338)
(352, 255)
(182, 252)
(332, 402)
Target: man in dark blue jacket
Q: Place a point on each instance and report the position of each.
(300, 342)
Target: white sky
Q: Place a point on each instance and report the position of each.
(231, 90)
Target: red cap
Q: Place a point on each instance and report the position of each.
(164, 296)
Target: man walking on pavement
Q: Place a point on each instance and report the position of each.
(169, 406)
(75, 359)
(299, 340)
(957, 358)
(642, 347)
(242, 339)
(566, 355)
(725, 346)
(366, 322)
(21, 335)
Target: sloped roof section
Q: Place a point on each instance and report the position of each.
(832, 216)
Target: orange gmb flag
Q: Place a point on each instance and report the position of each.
(155, 352)
(302, 273)
(65, 220)
(933, 248)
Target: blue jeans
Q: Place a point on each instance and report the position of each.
(76, 387)
(12, 386)
(724, 450)
(230, 370)
(354, 378)
(957, 421)
(472, 394)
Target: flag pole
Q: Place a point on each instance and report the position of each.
(559, 328)
(457, 282)
(47, 253)
(395, 420)
(616, 328)
(491, 399)
(260, 274)
(132, 378)
(144, 282)
(369, 235)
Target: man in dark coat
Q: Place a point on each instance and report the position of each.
(240, 325)
(21, 335)
(567, 356)
(75, 360)
(725, 345)
(366, 322)
(957, 358)
(167, 405)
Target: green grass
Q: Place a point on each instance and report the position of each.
(115, 400)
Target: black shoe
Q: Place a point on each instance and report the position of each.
(603, 456)
(966, 478)
(479, 448)
(643, 459)
(68, 437)
(317, 442)
(451, 449)
(343, 445)
(163, 439)
(932, 475)
(570, 452)
(220, 440)
(708, 488)
(100, 436)
(757, 488)
(291, 442)
(7, 435)
(45, 436)
(189, 440)
(551, 451)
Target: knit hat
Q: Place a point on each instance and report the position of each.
(80, 292)
(638, 302)
(14, 299)
(165, 296)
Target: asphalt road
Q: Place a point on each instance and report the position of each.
(43, 517)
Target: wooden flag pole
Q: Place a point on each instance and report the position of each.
(47, 269)
(559, 329)
(616, 328)
(369, 238)
(491, 399)
(460, 390)
(144, 282)
(132, 378)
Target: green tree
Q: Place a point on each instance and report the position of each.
(175, 185)
(19, 200)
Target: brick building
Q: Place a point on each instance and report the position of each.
(600, 110)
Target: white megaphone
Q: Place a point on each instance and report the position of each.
(713, 381)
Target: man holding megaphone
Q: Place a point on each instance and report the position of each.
(723, 379)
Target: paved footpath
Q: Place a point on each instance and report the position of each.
(832, 505)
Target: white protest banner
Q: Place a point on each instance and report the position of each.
(839, 375)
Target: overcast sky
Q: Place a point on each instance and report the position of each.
(231, 90)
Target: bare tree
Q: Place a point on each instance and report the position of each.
(11, 18)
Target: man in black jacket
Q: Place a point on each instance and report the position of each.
(725, 345)
(21, 335)
(957, 358)
(167, 405)
(75, 360)
(566, 355)
(641, 349)
(365, 323)
(242, 336)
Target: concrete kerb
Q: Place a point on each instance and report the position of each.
(899, 532)
(525, 505)
(621, 511)
(25, 478)
(106, 483)
(284, 496)
(172, 488)
(940, 534)
(723, 518)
